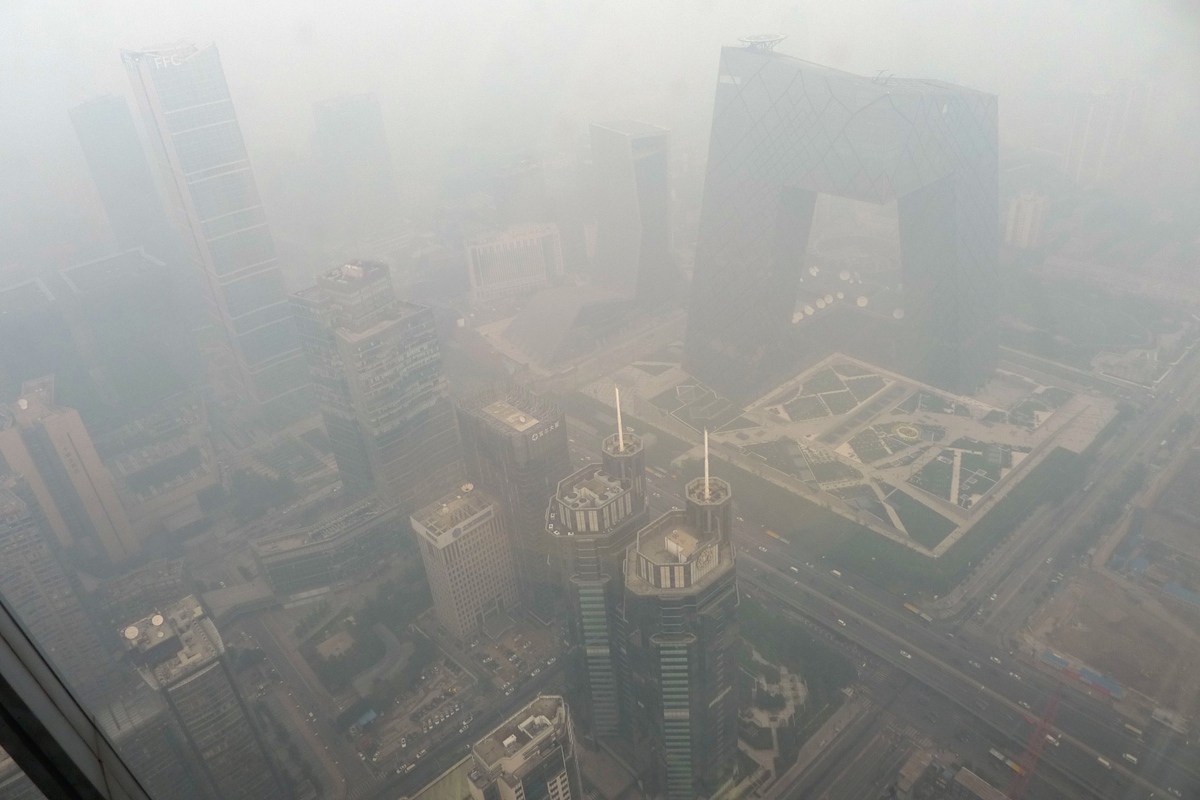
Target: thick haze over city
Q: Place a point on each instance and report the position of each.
(599, 400)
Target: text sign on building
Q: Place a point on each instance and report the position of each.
(542, 433)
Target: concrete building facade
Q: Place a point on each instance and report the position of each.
(468, 560)
(48, 446)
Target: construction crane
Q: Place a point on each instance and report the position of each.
(1039, 737)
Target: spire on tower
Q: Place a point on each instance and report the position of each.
(707, 485)
(620, 428)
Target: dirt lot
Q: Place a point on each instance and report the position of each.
(1127, 634)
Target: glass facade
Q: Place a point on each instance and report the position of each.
(254, 354)
(784, 131)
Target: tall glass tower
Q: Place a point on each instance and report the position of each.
(785, 131)
(253, 353)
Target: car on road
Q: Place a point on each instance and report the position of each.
(762, 549)
(793, 569)
(904, 653)
(974, 664)
(995, 660)
(842, 622)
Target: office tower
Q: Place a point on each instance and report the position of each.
(352, 150)
(468, 560)
(784, 131)
(179, 653)
(14, 783)
(338, 548)
(681, 603)
(530, 756)
(139, 725)
(1026, 216)
(49, 447)
(632, 174)
(515, 447)
(593, 517)
(122, 175)
(36, 587)
(1108, 133)
(377, 373)
(512, 262)
(253, 354)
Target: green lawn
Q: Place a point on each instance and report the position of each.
(935, 478)
(809, 407)
(839, 402)
(824, 381)
(923, 524)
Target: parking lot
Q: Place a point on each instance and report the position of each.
(517, 656)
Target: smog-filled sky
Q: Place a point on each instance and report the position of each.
(453, 72)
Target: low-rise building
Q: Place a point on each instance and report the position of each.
(530, 755)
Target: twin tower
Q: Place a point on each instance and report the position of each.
(652, 613)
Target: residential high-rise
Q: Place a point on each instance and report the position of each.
(681, 604)
(515, 446)
(352, 150)
(593, 517)
(122, 175)
(468, 560)
(633, 244)
(179, 653)
(253, 353)
(784, 131)
(376, 371)
(36, 587)
(1108, 132)
(49, 446)
(530, 756)
(1026, 216)
(515, 261)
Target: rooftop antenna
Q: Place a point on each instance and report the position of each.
(620, 428)
(707, 490)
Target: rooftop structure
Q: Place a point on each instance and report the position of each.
(167, 647)
(531, 754)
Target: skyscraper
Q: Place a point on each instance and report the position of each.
(593, 517)
(179, 653)
(633, 246)
(515, 446)
(530, 755)
(1026, 217)
(352, 149)
(49, 446)
(468, 560)
(121, 172)
(1108, 132)
(36, 587)
(253, 354)
(377, 374)
(149, 740)
(784, 131)
(681, 603)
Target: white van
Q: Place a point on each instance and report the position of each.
(835, 573)
(1132, 759)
